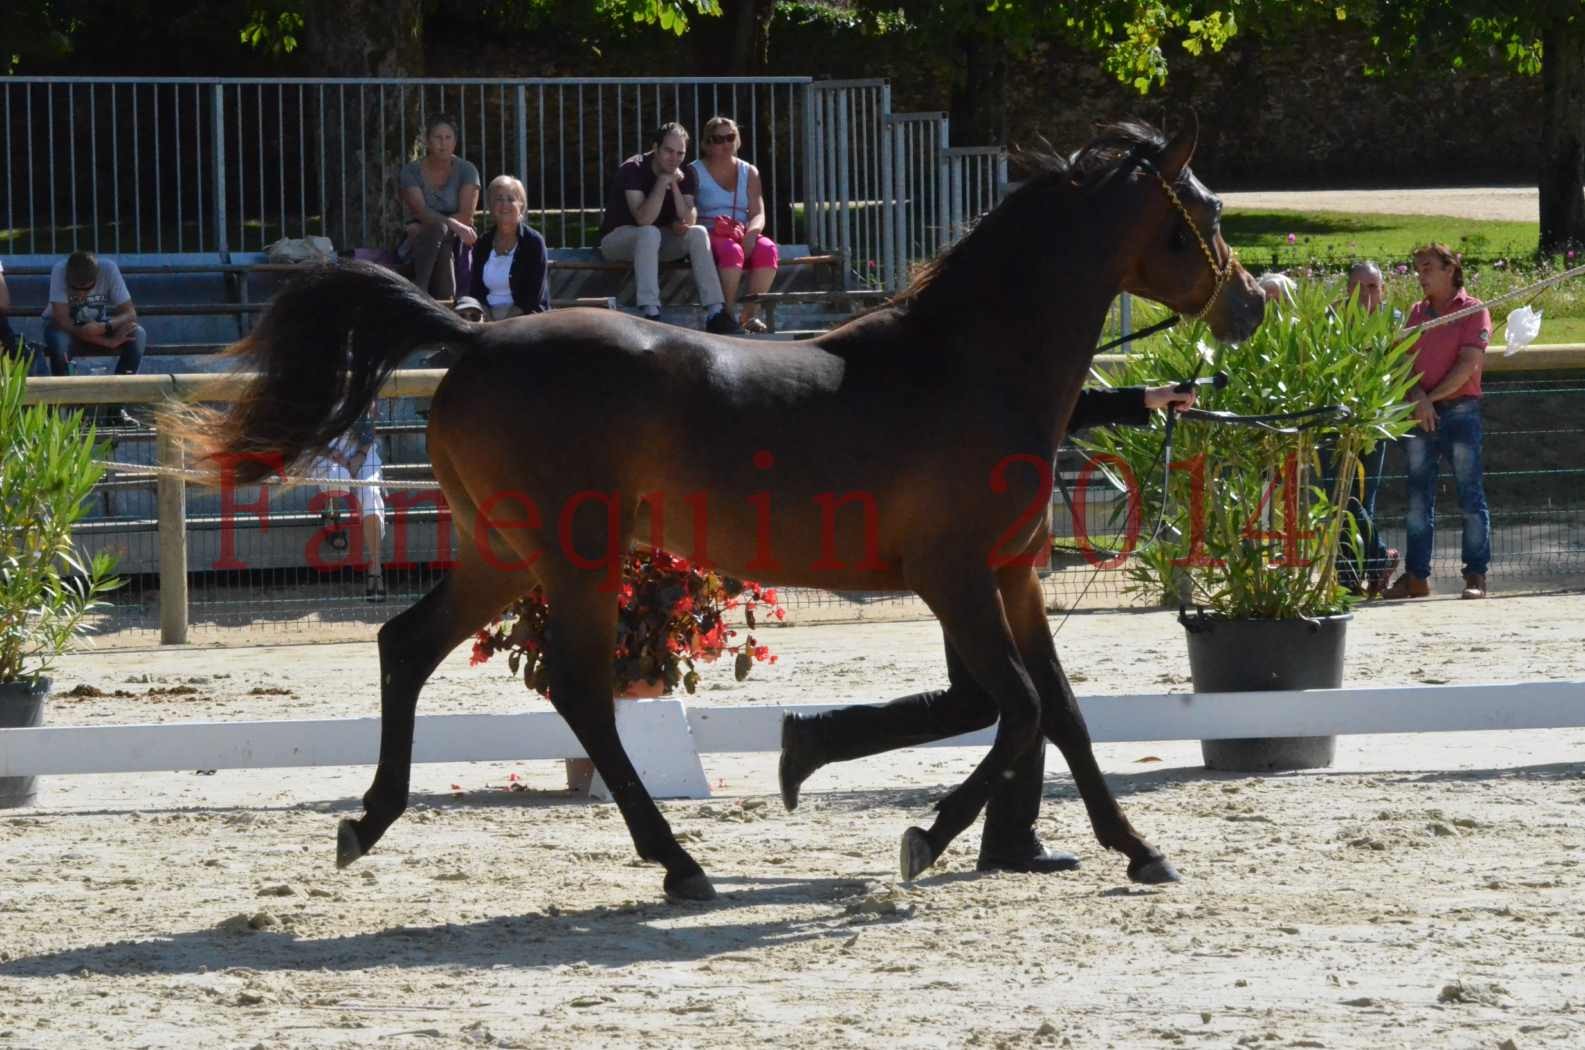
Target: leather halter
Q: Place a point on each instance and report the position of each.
(1218, 271)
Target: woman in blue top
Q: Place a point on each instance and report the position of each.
(731, 203)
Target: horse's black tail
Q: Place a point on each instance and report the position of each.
(322, 352)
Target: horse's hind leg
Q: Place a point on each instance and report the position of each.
(579, 642)
(1063, 723)
(412, 645)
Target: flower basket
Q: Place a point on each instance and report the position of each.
(671, 616)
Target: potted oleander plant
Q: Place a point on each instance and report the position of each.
(47, 588)
(1256, 520)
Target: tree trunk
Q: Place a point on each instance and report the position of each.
(1562, 178)
(381, 38)
(978, 108)
(735, 44)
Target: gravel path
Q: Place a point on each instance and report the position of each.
(1514, 203)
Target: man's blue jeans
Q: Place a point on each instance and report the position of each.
(1458, 437)
(60, 346)
(1362, 507)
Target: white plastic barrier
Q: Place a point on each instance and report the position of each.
(665, 739)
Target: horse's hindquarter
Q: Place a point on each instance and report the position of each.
(782, 462)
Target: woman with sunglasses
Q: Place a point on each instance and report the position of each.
(731, 205)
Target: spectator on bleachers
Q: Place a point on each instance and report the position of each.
(8, 338)
(731, 201)
(649, 218)
(440, 192)
(1448, 360)
(510, 274)
(89, 305)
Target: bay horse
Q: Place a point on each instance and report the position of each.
(561, 439)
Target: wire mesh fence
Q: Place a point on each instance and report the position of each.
(295, 573)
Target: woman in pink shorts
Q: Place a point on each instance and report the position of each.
(731, 203)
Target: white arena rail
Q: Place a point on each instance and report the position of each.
(665, 739)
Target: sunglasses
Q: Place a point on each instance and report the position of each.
(721, 140)
(82, 287)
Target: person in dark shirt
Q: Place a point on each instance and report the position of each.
(510, 271)
(650, 218)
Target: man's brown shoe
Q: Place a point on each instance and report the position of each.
(1408, 586)
(1474, 585)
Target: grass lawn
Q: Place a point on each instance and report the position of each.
(1333, 239)
(1325, 243)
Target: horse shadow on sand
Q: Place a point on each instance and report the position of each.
(601, 937)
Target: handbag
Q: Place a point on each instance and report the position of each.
(728, 228)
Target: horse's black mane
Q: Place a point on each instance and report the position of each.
(1112, 151)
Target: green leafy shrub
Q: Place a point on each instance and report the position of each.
(47, 589)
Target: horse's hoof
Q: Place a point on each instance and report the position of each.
(916, 854)
(794, 765)
(348, 848)
(1153, 871)
(695, 887)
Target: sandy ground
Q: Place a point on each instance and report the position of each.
(1425, 892)
(1514, 203)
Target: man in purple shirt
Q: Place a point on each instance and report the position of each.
(649, 218)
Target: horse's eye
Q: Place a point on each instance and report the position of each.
(1180, 239)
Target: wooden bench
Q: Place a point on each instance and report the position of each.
(850, 301)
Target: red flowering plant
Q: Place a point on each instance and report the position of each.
(670, 615)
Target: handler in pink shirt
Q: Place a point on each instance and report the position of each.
(1447, 413)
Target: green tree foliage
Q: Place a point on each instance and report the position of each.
(1543, 38)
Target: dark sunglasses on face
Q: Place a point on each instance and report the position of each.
(721, 140)
(84, 288)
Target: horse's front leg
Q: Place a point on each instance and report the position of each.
(1063, 724)
(965, 600)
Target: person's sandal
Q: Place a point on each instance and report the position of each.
(330, 525)
(374, 588)
(754, 326)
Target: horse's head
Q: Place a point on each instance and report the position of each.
(1175, 255)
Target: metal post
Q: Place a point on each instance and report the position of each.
(841, 100)
(218, 169)
(171, 499)
(1125, 313)
(889, 195)
(899, 206)
(522, 133)
(810, 167)
(943, 205)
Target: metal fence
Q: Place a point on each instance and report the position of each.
(185, 166)
(196, 165)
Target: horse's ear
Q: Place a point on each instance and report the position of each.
(1175, 157)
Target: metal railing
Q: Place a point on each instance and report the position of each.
(188, 165)
(202, 165)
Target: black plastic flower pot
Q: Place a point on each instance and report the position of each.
(1237, 656)
(21, 707)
